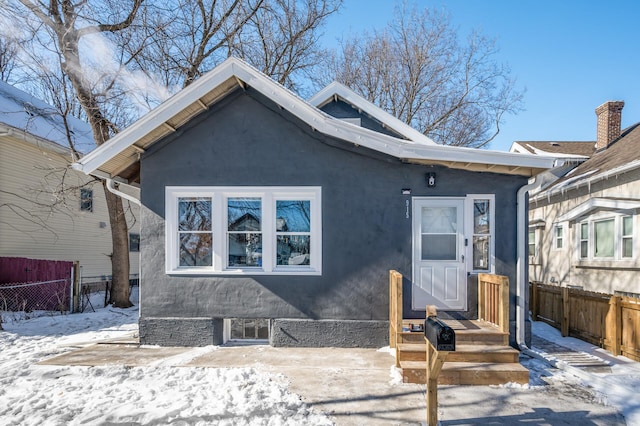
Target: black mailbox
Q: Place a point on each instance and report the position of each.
(441, 336)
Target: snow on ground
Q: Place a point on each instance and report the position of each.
(33, 394)
(163, 393)
(619, 389)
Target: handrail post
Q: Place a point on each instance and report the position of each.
(504, 305)
(395, 311)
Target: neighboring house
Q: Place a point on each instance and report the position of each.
(48, 210)
(259, 205)
(583, 227)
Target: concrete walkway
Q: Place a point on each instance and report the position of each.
(360, 386)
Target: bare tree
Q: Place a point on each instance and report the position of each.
(68, 24)
(186, 38)
(282, 39)
(417, 69)
(8, 53)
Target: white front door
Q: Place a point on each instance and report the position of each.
(439, 272)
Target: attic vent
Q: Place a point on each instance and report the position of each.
(554, 144)
(357, 121)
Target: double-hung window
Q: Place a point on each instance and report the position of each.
(627, 236)
(243, 230)
(608, 238)
(558, 237)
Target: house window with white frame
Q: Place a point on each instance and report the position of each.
(584, 240)
(608, 238)
(86, 199)
(558, 237)
(244, 230)
(532, 242)
(627, 236)
(482, 232)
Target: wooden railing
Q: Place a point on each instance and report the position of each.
(612, 322)
(395, 310)
(493, 300)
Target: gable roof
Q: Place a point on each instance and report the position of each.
(621, 156)
(22, 114)
(574, 149)
(337, 90)
(120, 156)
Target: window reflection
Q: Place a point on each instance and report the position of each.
(194, 231)
(244, 220)
(293, 229)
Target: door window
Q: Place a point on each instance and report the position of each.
(439, 233)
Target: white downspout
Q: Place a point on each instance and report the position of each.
(112, 188)
(539, 182)
(521, 265)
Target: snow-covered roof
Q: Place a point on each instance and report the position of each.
(119, 157)
(23, 114)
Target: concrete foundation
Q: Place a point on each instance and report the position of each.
(180, 331)
(329, 333)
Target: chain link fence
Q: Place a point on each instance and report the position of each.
(28, 300)
(96, 291)
(39, 296)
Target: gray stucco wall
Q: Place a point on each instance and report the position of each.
(245, 140)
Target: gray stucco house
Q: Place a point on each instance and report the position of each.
(256, 204)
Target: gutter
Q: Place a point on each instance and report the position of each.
(537, 183)
(590, 180)
(112, 188)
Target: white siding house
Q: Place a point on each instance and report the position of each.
(47, 210)
(583, 229)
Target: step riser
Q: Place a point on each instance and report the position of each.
(463, 357)
(467, 377)
(461, 338)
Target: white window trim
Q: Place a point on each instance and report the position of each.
(617, 238)
(555, 236)
(219, 196)
(470, 199)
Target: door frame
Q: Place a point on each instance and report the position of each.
(468, 234)
(462, 249)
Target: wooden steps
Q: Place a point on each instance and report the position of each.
(467, 373)
(482, 356)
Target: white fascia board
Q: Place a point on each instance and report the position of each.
(474, 155)
(342, 91)
(599, 203)
(317, 119)
(516, 147)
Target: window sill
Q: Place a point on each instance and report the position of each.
(607, 264)
(244, 272)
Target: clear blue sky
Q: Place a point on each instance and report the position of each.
(569, 55)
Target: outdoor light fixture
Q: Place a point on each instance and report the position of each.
(431, 180)
(406, 191)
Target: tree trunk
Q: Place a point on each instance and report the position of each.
(120, 252)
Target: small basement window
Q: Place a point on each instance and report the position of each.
(246, 329)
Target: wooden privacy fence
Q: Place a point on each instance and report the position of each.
(493, 300)
(612, 322)
(36, 284)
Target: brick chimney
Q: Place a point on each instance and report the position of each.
(609, 123)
